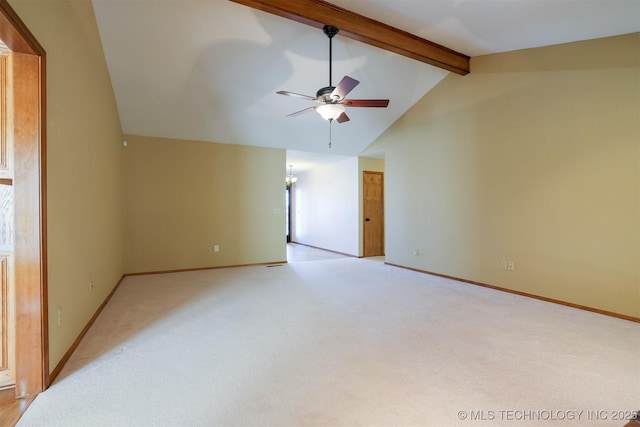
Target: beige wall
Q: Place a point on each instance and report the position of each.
(183, 197)
(84, 167)
(533, 157)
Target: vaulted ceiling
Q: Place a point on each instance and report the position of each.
(210, 70)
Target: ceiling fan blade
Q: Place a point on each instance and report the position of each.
(342, 118)
(301, 111)
(296, 95)
(381, 103)
(345, 86)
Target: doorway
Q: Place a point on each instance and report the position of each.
(288, 211)
(373, 211)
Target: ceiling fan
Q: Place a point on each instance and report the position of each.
(332, 99)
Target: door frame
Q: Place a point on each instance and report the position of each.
(29, 136)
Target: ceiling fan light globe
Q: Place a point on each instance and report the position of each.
(330, 111)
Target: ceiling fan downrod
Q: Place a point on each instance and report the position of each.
(330, 31)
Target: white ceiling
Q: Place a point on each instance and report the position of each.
(209, 70)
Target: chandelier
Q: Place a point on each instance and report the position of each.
(290, 180)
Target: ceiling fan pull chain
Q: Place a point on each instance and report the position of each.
(330, 121)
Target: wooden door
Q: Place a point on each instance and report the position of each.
(7, 284)
(373, 209)
(27, 132)
(7, 289)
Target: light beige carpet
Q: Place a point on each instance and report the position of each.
(340, 342)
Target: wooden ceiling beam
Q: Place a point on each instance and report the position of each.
(318, 13)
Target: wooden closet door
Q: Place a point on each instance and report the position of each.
(373, 209)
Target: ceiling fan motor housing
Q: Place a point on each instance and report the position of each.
(324, 94)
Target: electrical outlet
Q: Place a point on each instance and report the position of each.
(90, 286)
(415, 252)
(216, 248)
(59, 316)
(511, 266)
(208, 250)
(503, 264)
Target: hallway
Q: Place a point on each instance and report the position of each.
(298, 253)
